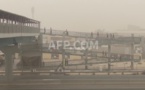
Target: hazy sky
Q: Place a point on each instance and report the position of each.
(81, 15)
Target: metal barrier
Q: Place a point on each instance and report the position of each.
(60, 32)
(9, 30)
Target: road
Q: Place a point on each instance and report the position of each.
(77, 83)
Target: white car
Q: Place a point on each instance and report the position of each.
(2, 58)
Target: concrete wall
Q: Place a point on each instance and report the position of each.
(120, 49)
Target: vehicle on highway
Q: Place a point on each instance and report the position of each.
(2, 58)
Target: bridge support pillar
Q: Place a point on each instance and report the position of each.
(40, 42)
(8, 66)
(9, 52)
(143, 47)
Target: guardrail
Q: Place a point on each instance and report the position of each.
(122, 72)
(97, 36)
(70, 33)
(11, 30)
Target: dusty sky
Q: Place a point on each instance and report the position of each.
(81, 15)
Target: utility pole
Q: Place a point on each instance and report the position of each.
(86, 59)
(86, 53)
(63, 51)
(109, 53)
(40, 46)
(132, 52)
(109, 56)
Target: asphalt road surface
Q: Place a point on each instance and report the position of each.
(77, 83)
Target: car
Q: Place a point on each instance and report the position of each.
(2, 58)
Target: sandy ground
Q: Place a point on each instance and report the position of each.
(121, 65)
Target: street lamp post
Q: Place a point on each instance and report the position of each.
(132, 52)
(63, 51)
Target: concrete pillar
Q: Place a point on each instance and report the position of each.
(40, 44)
(143, 47)
(9, 52)
(8, 65)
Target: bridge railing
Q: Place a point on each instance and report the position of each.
(60, 32)
(85, 34)
(11, 30)
(77, 34)
(101, 36)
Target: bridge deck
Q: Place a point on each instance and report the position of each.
(12, 25)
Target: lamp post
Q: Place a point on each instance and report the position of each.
(132, 52)
(63, 51)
